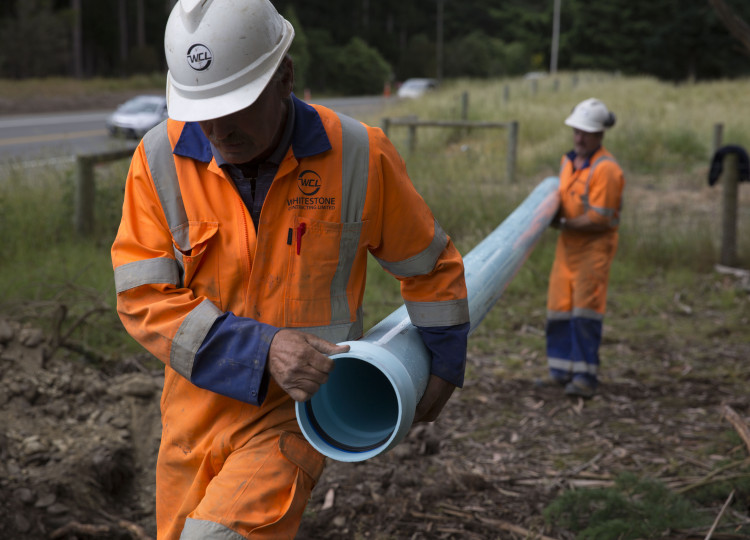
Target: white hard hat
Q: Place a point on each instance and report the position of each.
(591, 115)
(221, 55)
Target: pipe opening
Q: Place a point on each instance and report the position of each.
(357, 409)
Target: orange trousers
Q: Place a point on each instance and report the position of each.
(576, 303)
(232, 471)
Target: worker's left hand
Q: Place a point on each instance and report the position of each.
(436, 395)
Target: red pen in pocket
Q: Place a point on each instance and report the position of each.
(301, 228)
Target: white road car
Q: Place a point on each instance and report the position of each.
(136, 116)
(414, 88)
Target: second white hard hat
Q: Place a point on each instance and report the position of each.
(221, 55)
(591, 115)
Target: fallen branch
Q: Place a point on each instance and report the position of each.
(136, 531)
(744, 432)
(76, 528)
(718, 517)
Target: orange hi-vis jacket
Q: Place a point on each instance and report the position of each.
(584, 258)
(187, 252)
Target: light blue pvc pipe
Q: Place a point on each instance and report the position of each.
(367, 406)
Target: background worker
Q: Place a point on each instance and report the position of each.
(591, 186)
(240, 262)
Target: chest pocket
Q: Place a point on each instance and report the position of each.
(320, 266)
(197, 253)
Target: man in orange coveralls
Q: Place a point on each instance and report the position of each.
(240, 262)
(591, 186)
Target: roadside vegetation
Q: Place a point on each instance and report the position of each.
(669, 244)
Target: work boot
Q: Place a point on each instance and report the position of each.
(550, 382)
(579, 387)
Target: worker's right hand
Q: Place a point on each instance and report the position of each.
(299, 362)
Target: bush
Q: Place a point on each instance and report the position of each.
(355, 69)
(418, 60)
(360, 69)
(478, 55)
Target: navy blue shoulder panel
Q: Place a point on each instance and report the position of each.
(193, 143)
(309, 136)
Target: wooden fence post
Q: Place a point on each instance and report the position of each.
(512, 150)
(465, 106)
(386, 125)
(85, 190)
(730, 179)
(412, 137)
(84, 196)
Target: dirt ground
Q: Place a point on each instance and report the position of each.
(78, 444)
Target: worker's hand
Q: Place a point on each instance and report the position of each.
(436, 395)
(299, 362)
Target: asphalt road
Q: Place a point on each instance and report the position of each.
(48, 138)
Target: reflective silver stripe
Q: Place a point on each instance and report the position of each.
(336, 333)
(559, 315)
(575, 367)
(350, 233)
(164, 174)
(582, 313)
(145, 272)
(190, 335)
(421, 263)
(585, 313)
(448, 313)
(355, 164)
(200, 529)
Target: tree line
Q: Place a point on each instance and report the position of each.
(354, 46)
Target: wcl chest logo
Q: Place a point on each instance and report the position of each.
(309, 184)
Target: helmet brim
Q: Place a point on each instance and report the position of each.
(588, 128)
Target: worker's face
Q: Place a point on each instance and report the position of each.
(585, 144)
(252, 133)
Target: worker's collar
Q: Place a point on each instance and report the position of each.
(308, 136)
(572, 156)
